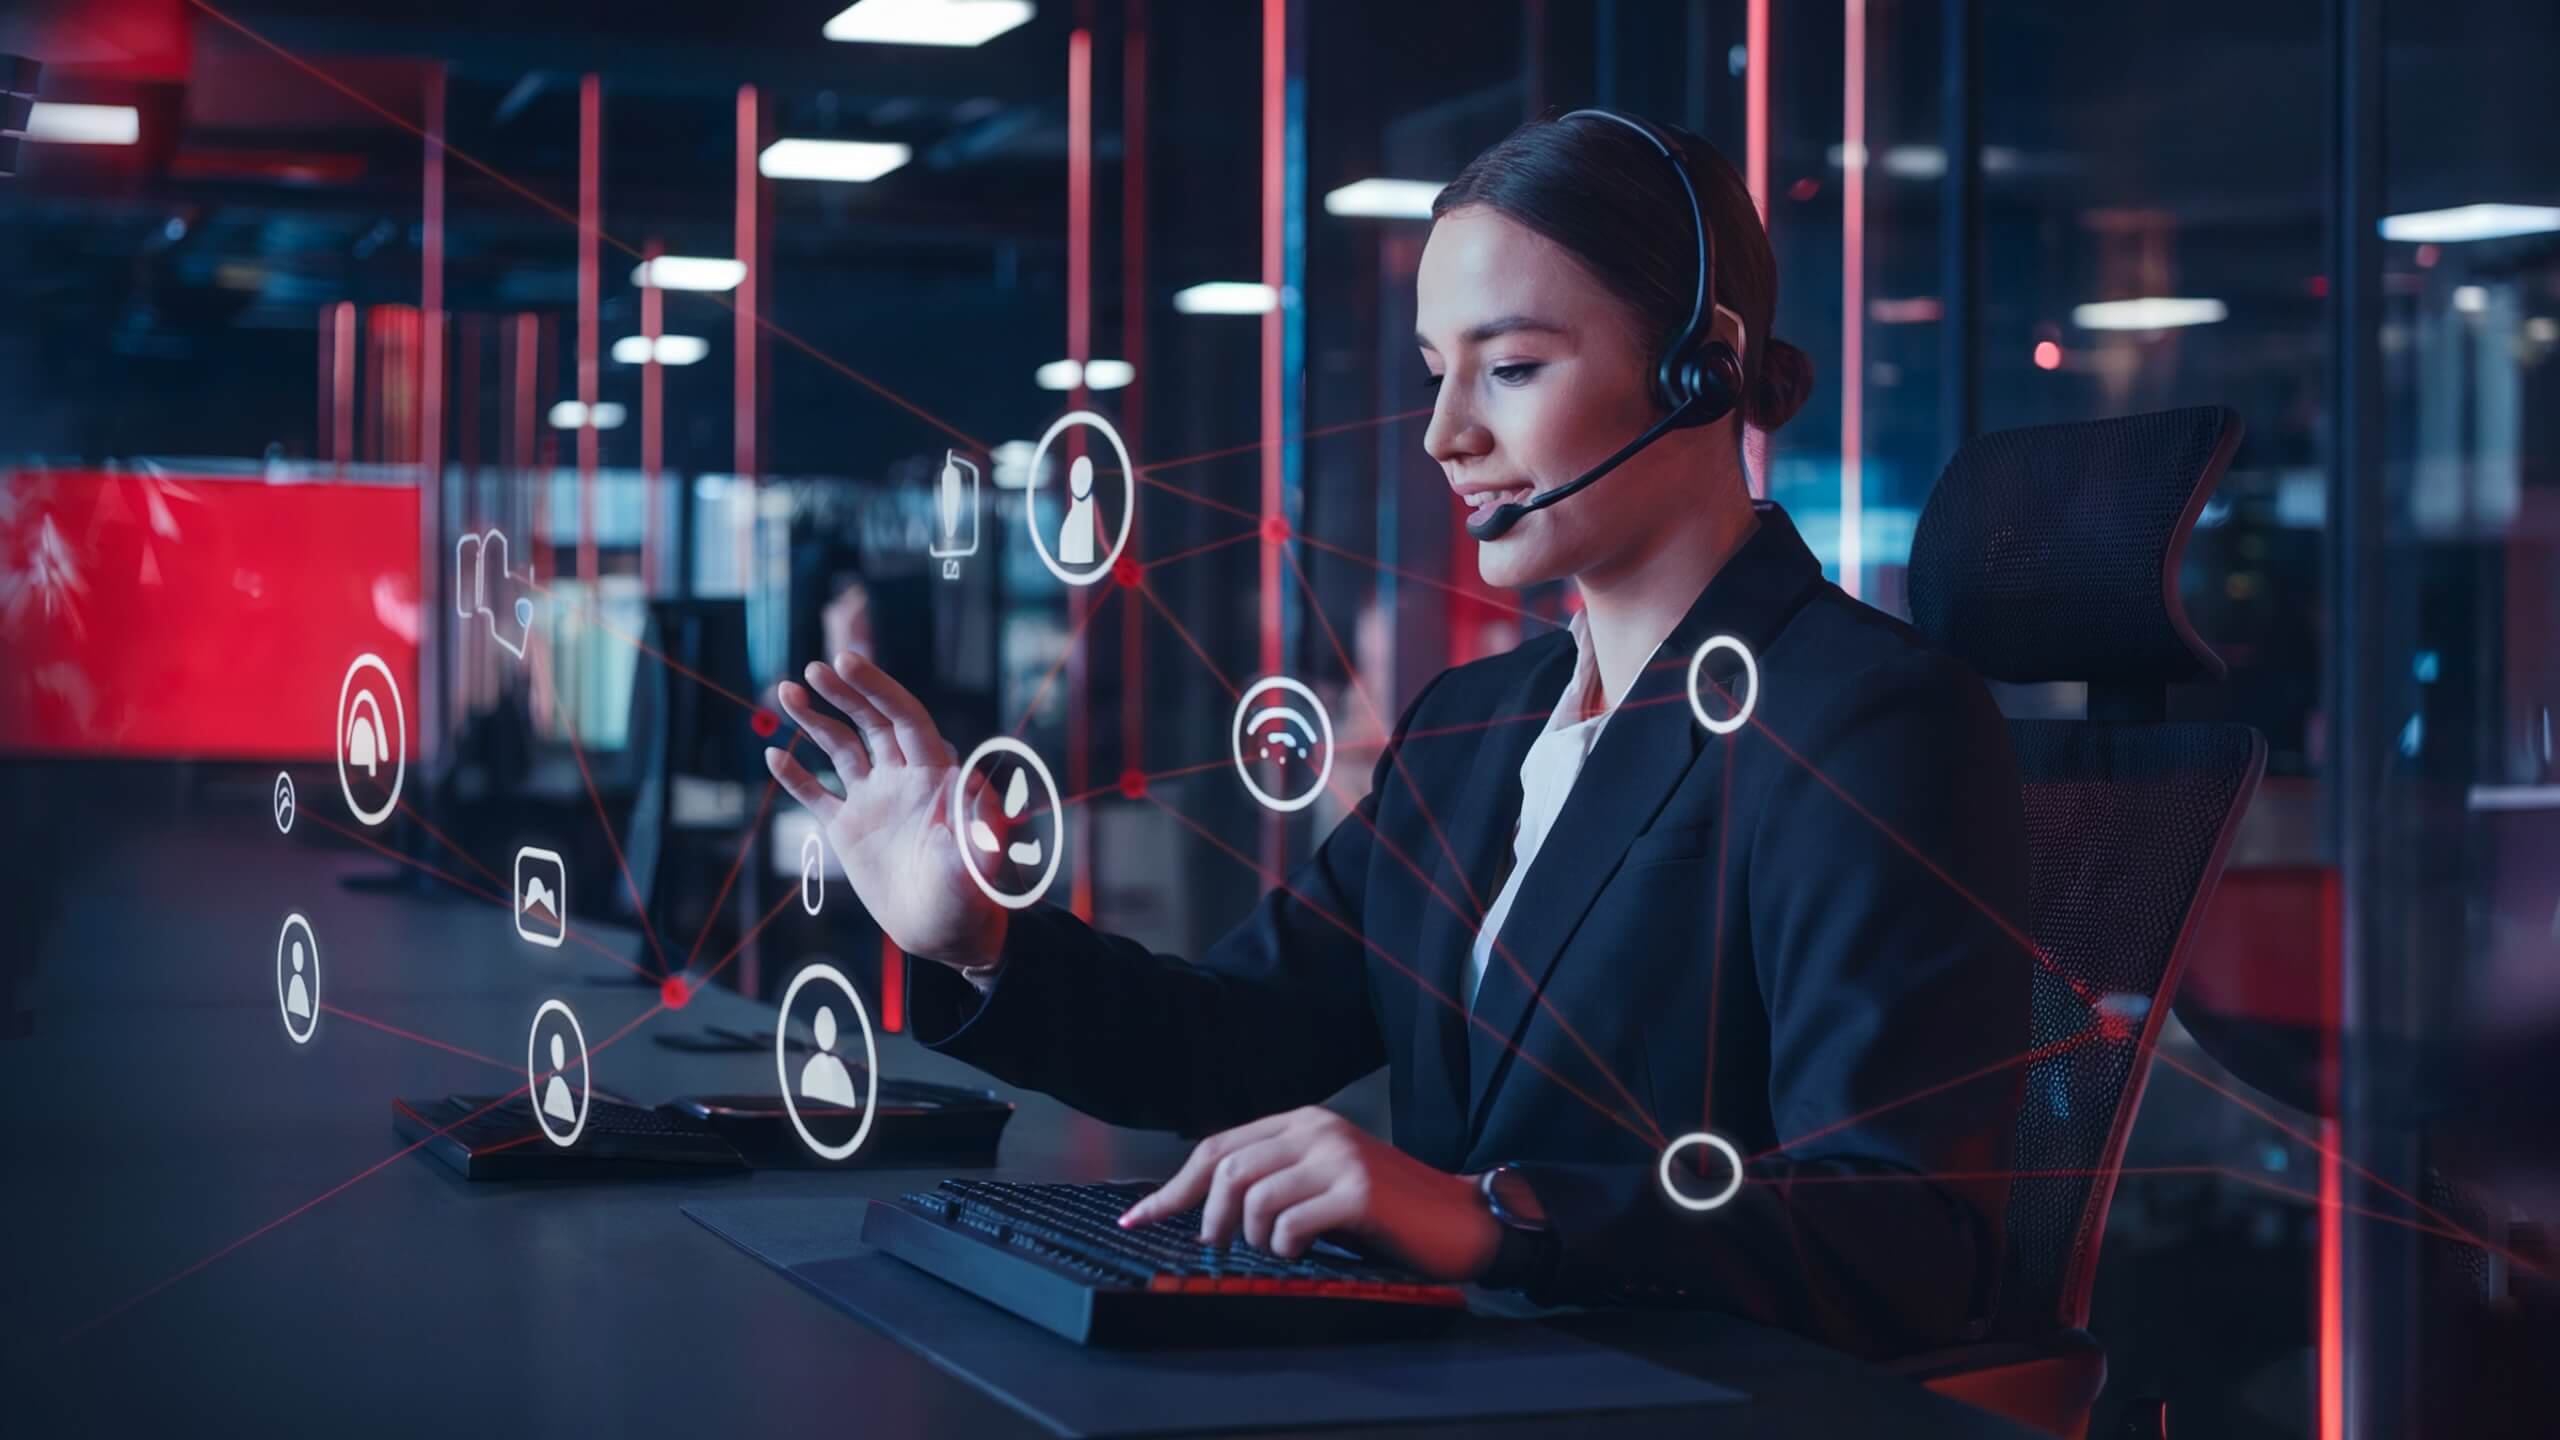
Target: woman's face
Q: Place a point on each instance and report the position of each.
(1537, 377)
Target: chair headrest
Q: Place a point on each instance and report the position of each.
(2051, 553)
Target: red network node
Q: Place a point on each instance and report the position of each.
(674, 993)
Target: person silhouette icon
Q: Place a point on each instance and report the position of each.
(1075, 540)
(297, 996)
(555, 1093)
(824, 1077)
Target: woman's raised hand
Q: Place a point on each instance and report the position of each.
(891, 830)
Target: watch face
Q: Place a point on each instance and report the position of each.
(1518, 1203)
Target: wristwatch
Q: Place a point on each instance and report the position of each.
(1527, 1256)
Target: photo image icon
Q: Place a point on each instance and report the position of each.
(542, 896)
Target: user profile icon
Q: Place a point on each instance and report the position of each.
(1282, 739)
(556, 1037)
(298, 979)
(818, 1090)
(1067, 533)
(1008, 845)
(373, 739)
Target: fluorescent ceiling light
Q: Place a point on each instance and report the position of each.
(570, 415)
(1378, 199)
(1108, 374)
(2462, 222)
(57, 123)
(2470, 299)
(672, 349)
(689, 272)
(926, 22)
(2152, 312)
(1013, 464)
(1227, 297)
(1058, 375)
(848, 160)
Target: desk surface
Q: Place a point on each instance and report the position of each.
(306, 1282)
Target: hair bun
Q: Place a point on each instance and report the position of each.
(1779, 389)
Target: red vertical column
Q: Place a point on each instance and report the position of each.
(749, 296)
(1275, 111)
(1133, 348)
(1080, 350)
(590, 218)
(342, 385)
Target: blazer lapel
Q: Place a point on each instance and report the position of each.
(1479, 831)
(1642, 755)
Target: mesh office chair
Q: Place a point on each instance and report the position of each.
(2051, 554)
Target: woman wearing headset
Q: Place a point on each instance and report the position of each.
(1573, 921)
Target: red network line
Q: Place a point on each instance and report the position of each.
(1144, 471)
(2032, 1055)
(1184, 631)
(1715, 970)
(413, 1035)
(1378, 716)
(746, 842)
(2314, 1142)
(375, 1168)
(639, 904)
(1075, 635)
(1163, 560)
(439, 836)
(587, 614)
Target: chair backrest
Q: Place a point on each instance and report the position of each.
(2051, 554)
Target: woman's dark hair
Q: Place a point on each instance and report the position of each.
(1602, 193)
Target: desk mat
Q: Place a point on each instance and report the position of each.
(1480, 1368)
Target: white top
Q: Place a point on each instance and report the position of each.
(1547, 774)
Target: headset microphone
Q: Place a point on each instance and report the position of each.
(1697, 381)
(1497, 522)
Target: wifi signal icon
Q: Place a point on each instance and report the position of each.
(1281, 726)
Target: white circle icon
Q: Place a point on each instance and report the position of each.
(548, 1091)
(284, 803)
(976, 837)
(366, 740)
(298, 979)
(813, 873)
(1732, 1184)
(1751, 687)
(822, 1077)
(1281, 722)
(1074, 560)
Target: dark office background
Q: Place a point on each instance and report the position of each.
(231, 298)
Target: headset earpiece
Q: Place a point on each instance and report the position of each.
(1702, 386)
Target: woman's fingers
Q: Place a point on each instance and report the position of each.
(804, 787)
(875, 727)
(1238, 1172)
(852, 759)
(1190, 1184)
(1336, 1206)
(1270, 1197)
(916, 731)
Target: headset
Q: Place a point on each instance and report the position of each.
(1697, 381)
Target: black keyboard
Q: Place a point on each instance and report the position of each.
(1054, 1255)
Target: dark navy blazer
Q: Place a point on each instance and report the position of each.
(1819, 908)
